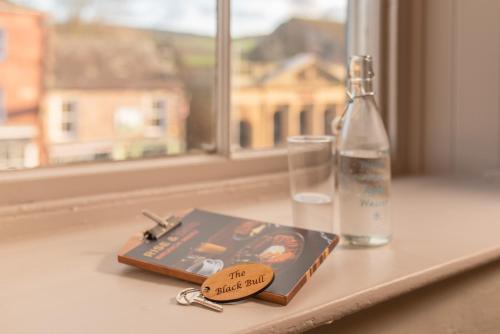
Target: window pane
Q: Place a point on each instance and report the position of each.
(288, 69)
(105, 80)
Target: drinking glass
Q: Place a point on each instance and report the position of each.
(311, 168)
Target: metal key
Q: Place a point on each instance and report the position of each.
(193, 296)
(180, 296)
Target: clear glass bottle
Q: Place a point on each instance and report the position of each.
(364, 166)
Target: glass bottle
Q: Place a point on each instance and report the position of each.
(364, 168)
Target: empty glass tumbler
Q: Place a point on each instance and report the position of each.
(311, 168)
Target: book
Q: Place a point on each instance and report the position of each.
(207, 242)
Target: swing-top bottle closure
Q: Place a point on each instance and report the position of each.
(360, 76)
(359, 83)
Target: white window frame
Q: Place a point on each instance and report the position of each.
(91, 179)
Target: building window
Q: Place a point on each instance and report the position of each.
(159, 115)
(302, 122)
(128, 122)
(305, 120)
(329, 116)
(279, 125)
(3, 107)
(12, 154)
(245, 134)
(69, 119)
(3, 44)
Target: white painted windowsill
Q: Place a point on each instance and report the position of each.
(60, 274)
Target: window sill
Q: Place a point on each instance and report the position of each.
(63, 182)
(434, 239)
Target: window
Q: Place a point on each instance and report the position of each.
(69, 119)
(174, 56)
(3, 44)
(159, 72)
(329, 115)
(128, 121)
(143, 77)
(245, 134)
(279, 125)
(305, 120)
(159, 115)
(11, 154)
(3, 107)
(277, 128)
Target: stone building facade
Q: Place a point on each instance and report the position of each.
(300, 96)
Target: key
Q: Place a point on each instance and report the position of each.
(193, 296)
(200, 300)
(180, 296)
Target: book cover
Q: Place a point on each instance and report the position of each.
(207, 242)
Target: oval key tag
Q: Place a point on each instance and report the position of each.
(237, 282)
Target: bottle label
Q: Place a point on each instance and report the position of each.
(364, 194)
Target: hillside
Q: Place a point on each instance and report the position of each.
(321, 37)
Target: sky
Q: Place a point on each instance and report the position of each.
(249, 17)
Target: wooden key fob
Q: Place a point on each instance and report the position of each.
(237, 282)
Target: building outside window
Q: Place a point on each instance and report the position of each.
(298, 61)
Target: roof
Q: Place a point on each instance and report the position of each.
(106, 57)
(296, 64)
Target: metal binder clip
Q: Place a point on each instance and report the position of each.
(163, 225)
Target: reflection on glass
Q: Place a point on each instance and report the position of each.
(288, 68)
(105, 80)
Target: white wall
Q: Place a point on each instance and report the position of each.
(461, 89)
